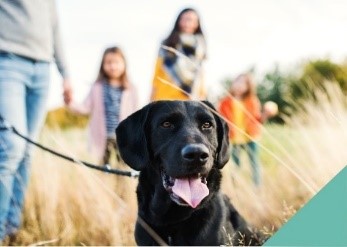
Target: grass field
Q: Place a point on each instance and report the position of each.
(68, 204)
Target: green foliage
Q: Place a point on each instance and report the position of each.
(274, 87)
(315, 75)
(293, 89)
(62, 118)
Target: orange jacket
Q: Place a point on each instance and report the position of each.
(252, 114)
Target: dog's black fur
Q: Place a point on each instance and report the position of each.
(151, 140)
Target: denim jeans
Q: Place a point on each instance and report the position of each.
(252, 152)
(24, 86)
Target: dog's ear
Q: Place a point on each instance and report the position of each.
(131, 139)
(222, 154)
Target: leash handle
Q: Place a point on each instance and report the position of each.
(5, 125)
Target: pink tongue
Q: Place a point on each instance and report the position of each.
(191, 190)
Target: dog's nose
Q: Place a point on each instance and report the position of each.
(195, 153)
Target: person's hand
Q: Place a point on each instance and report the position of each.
(270, 109)
(67, 91)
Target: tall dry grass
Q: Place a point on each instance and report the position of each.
(68, 204)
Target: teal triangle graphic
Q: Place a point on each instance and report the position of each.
(321, 222)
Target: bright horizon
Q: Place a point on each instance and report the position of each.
(239, 34)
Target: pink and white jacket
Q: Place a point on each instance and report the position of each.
(93, 106)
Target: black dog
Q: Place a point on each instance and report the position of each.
(180, 147)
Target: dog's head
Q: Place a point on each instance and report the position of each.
(182, 140)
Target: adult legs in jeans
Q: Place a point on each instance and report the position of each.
(252, 151)
(23, 94)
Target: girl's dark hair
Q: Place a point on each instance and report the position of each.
(102, 75)
(173, 37)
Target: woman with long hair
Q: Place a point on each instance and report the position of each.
(178, 70)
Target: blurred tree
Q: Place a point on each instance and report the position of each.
(275, 87)
(315, 75)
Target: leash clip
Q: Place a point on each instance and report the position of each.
(134, 174)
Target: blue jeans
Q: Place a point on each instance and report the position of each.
(24, 86)
(252, 152)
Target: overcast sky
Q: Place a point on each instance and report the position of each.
(240, 34)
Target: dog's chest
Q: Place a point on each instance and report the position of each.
(202, 230)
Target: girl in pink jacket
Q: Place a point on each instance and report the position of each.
(111, 99)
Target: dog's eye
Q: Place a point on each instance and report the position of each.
(206, 125)
(166, 124)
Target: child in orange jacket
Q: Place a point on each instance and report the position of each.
(242, 109)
